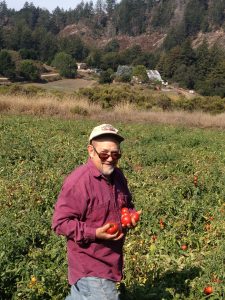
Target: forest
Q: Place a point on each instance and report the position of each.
(31, 37)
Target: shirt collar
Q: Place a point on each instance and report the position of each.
(95, 171)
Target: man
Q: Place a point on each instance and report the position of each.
(91, 198)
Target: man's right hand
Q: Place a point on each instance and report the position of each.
(103, 235)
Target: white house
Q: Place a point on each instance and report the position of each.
(81, 66)
(154, 75)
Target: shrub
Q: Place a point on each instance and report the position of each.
(28, 53)
(7, 66)
(123, 74)
(141, 73)
(65, 64)
(16, 89)
(106, 76)
(165, 102)
(28, 70)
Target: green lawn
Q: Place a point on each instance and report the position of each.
(64, 85)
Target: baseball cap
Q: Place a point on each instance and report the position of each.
(105, 129)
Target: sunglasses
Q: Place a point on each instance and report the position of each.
(104, 156)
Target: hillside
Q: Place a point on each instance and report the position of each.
(151, 23)
(150, 41)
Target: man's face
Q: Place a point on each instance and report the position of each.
(101, 146)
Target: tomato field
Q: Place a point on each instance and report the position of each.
(177, 178)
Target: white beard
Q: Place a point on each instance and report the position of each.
(107, 170)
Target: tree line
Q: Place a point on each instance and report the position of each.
(32, 27)
(30, 37)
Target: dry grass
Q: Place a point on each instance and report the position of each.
(195, 119)
(46, 106)
(72, 107)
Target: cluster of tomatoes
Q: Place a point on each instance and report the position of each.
(195, 180)
(126, 217)
(126, 220)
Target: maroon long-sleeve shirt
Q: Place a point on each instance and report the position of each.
(88, 201)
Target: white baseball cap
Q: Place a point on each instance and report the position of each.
(105, 129)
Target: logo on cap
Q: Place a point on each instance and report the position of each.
(108, 127)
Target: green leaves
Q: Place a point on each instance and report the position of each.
(65, 64)
(160, 163)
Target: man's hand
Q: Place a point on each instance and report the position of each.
(103, 235)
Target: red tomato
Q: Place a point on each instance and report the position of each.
(184, 247)
(125, 214)
(208, 290)
(124, 210)
(135, 216)
(114, 228)
(126, 220)
(162, 224)
(195, 180)
(154, 237)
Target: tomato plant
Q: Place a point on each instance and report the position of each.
(175, 212)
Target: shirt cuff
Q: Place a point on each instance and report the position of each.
(90, 233)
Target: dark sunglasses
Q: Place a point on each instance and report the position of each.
(104, 156)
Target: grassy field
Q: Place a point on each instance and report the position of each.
(65, 84)
(177, 177)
